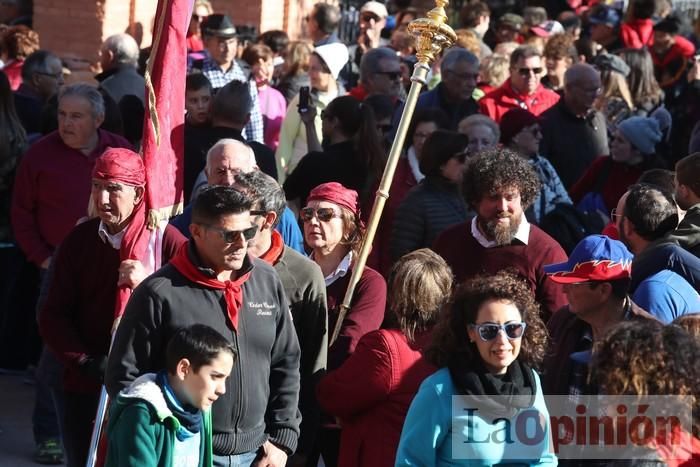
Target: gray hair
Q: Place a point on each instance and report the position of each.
(37, 62)
(370, 61)
(124, 48)
(87, 92)
(219, 145)
(232, 103)
(264, 191)
(481, 120)
(455, 55)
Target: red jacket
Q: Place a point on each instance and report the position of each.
(637, 33)
(371, 393)
(502, 99)
(52, 190)
(671, 66)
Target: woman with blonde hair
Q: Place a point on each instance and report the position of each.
(493, 72)
(372, 390)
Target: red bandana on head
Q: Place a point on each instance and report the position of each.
(120, 165)
(336, 193)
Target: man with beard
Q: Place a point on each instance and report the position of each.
(499, 185)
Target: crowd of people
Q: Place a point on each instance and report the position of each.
(541, 238)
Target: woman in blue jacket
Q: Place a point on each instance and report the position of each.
(486, 346)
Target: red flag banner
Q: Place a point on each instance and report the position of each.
(163, 136)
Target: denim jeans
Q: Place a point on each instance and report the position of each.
(236, 460)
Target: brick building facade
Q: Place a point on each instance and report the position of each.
(75, 29)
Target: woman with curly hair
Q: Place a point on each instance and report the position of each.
(487, 345)
(334, 233)
(646, 358)
(372, 390)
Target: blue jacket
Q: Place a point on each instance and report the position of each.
(666, 296)
(287, 227)
(428, 438)
(551, 193)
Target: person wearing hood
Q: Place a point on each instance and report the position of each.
(326, 62)
(163, 419)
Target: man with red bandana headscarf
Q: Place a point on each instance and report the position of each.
(77, 318)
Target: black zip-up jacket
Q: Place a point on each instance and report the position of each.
(262, 392)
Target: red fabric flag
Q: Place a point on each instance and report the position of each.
(163, 133)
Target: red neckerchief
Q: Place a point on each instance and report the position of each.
(233, 293)
(272, 255)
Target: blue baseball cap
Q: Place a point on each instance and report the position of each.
(595, 258)
(604, 15)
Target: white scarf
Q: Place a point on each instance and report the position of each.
(414, 164)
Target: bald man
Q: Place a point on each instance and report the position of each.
(573, 132)
(226, 158)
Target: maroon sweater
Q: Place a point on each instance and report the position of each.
(366, 312)
(52, 190)
(77, 318)
(467, 258)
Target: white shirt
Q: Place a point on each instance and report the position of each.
(114, 240)
(523, 233)
(152, 260)
(340, 271)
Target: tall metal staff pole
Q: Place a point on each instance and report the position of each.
(432, 35)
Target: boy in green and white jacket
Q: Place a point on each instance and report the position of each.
(164, 419)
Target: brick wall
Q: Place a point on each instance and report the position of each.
(75, 29)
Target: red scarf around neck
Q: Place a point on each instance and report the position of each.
(233, 292)
(272, 255)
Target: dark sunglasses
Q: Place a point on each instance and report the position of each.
(527, 71)
(323, 214)
(367, 17)
(489, 331)
(231, 236)
(392, 75)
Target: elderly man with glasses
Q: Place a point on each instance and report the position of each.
(522, 89)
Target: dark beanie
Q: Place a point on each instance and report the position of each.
(513, 123)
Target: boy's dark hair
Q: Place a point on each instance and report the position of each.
(216, 201)
(200, 344)
(197, 81)
(642, 9)
(439, 148)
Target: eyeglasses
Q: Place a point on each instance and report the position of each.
(489, 331)
(384, 128)
(615, 216)
(230, 236)
(464, 76)
(392, 75)
(367, 17)
(527, 71)
(56, 76)
(323, 214)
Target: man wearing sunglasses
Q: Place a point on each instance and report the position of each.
(522, 89)
(213, 281)
(596, 281)
(380, 73)
(372, 20)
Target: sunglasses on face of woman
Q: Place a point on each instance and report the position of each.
(489, 331)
